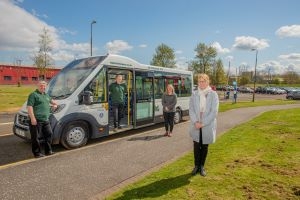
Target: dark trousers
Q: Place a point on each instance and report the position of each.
(118, 113)
(200, 151)
(169, 120)
(41, 132)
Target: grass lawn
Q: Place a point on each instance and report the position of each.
(256, 160)
(228, 105)
(14, 96)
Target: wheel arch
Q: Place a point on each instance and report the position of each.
(179, 110)
(61, 125)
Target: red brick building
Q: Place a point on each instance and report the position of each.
(13, 75)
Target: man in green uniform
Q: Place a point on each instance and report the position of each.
(38, 106)
(117, 93)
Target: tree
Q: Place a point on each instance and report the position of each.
(164, 56)
(205, 57)
(42, 59)
(244, 80)
(291, 77)
(218, 76)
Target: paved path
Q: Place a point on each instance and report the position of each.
(96, 170)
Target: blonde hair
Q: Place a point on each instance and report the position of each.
(171, 86)
(204, 77)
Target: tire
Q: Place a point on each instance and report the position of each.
(75, 135)
(177, 116)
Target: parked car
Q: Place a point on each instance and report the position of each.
(243, 89)
(293, 95)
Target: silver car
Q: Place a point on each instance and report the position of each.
(293, 95)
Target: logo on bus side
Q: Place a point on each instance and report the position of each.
(156, 108)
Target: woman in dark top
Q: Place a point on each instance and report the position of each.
(169, 100)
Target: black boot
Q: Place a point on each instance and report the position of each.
(202, 171)
(203, 152)
(195, 170)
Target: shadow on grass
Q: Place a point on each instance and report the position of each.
(156, 189)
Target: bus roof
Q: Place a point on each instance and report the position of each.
(123, 61)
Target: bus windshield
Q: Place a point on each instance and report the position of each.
(71, 76)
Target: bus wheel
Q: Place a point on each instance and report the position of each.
(75, 135)
(177, 116)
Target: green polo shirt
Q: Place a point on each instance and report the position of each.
(117, 92)
(41, 105)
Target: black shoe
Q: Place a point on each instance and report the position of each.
(50, 153)
(39, 155)
(202, 171)
(195, 170)
(119, 127)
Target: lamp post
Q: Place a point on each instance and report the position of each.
(93, 22)
(253, 98)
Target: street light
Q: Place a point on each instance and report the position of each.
(254, 73)
(93, 22)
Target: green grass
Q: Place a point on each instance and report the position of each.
(13, 97)
(228, 105)
(256, 160)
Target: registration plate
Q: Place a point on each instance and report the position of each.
(20, 132)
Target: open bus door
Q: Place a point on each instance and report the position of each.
(126, 121)
(144, 101)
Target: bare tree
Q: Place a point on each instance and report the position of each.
(42, 59)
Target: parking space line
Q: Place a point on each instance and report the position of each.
(7, 123)
(8, 134)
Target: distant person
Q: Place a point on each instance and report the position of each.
(38, 106)
(117, 93)
(169, 100)
(234, 96)
(203, 110)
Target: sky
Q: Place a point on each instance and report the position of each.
(135, 28)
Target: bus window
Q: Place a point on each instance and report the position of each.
(185, 86)
(98, 87)
(159, 87)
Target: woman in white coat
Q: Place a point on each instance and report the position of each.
(203, 111)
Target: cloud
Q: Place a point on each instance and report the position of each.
(229, 58)
(21, 34)
(289, 31)
(278, 67)
(178, 52)
(117, 46)
(38, 15)
(20, 31)
(248, 43)
(291, 57)
(142, 45)
(219, 48)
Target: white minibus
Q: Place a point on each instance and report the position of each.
(84, 111)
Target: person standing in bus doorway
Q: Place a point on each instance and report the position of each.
(117, 93)
(38, 106)
(203, 111)
(169, 100)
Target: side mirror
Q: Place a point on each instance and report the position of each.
(87, 97)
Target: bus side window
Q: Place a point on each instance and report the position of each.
(97, 87)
